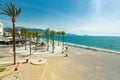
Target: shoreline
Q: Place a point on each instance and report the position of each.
(91, 48)
(76, 46)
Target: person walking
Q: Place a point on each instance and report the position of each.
(66, 50)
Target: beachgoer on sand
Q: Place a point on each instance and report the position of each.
(66, 50)
(62, 52)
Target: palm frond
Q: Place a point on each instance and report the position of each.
(18, 11)
(4, 9)
(10, 9)
(52, 33)
(63, 33)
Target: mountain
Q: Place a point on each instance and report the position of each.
(41, 31)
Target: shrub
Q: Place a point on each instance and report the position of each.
(2, 69)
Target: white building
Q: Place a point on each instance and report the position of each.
(1, 29)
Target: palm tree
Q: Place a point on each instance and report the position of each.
(11, 11)
(58, 33)
(18, 35)
(29, 35)
(63, 34)
(10, 32)
(37, 35)
(24, 34)
(52, 34)
(47, 32)
(33, 33)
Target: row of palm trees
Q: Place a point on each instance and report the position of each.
(61, 34)
(29, 35)
(51, 33)
(25, 36)
(13, 12)
(48, 33)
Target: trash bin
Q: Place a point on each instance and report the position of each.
(27, 60)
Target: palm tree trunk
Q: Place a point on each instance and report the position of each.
(30, 47)
(63, 42)
(47, 43)
(14, 41)
(25, 41)
(22, 41)
(58, 40)
(34, 38)
(36, 45)
(53, 45)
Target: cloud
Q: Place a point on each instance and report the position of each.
(98, 4)
(99, 25)
(98, 29)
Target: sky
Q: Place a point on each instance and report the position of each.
(91, 17)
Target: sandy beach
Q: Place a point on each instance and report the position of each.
(81, 64)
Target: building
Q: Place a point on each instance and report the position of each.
(1, 29)
(6, 34)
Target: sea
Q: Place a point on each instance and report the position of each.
(111, 43)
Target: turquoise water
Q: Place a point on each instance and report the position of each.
(109, 43)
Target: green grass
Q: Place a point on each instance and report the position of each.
(2, 69)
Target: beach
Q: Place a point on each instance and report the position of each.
(59, 40)
(81, 64)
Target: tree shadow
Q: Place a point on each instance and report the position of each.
(4, 56)
(23, 56)
(6, 65)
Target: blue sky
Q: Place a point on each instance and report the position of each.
(92, 17)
